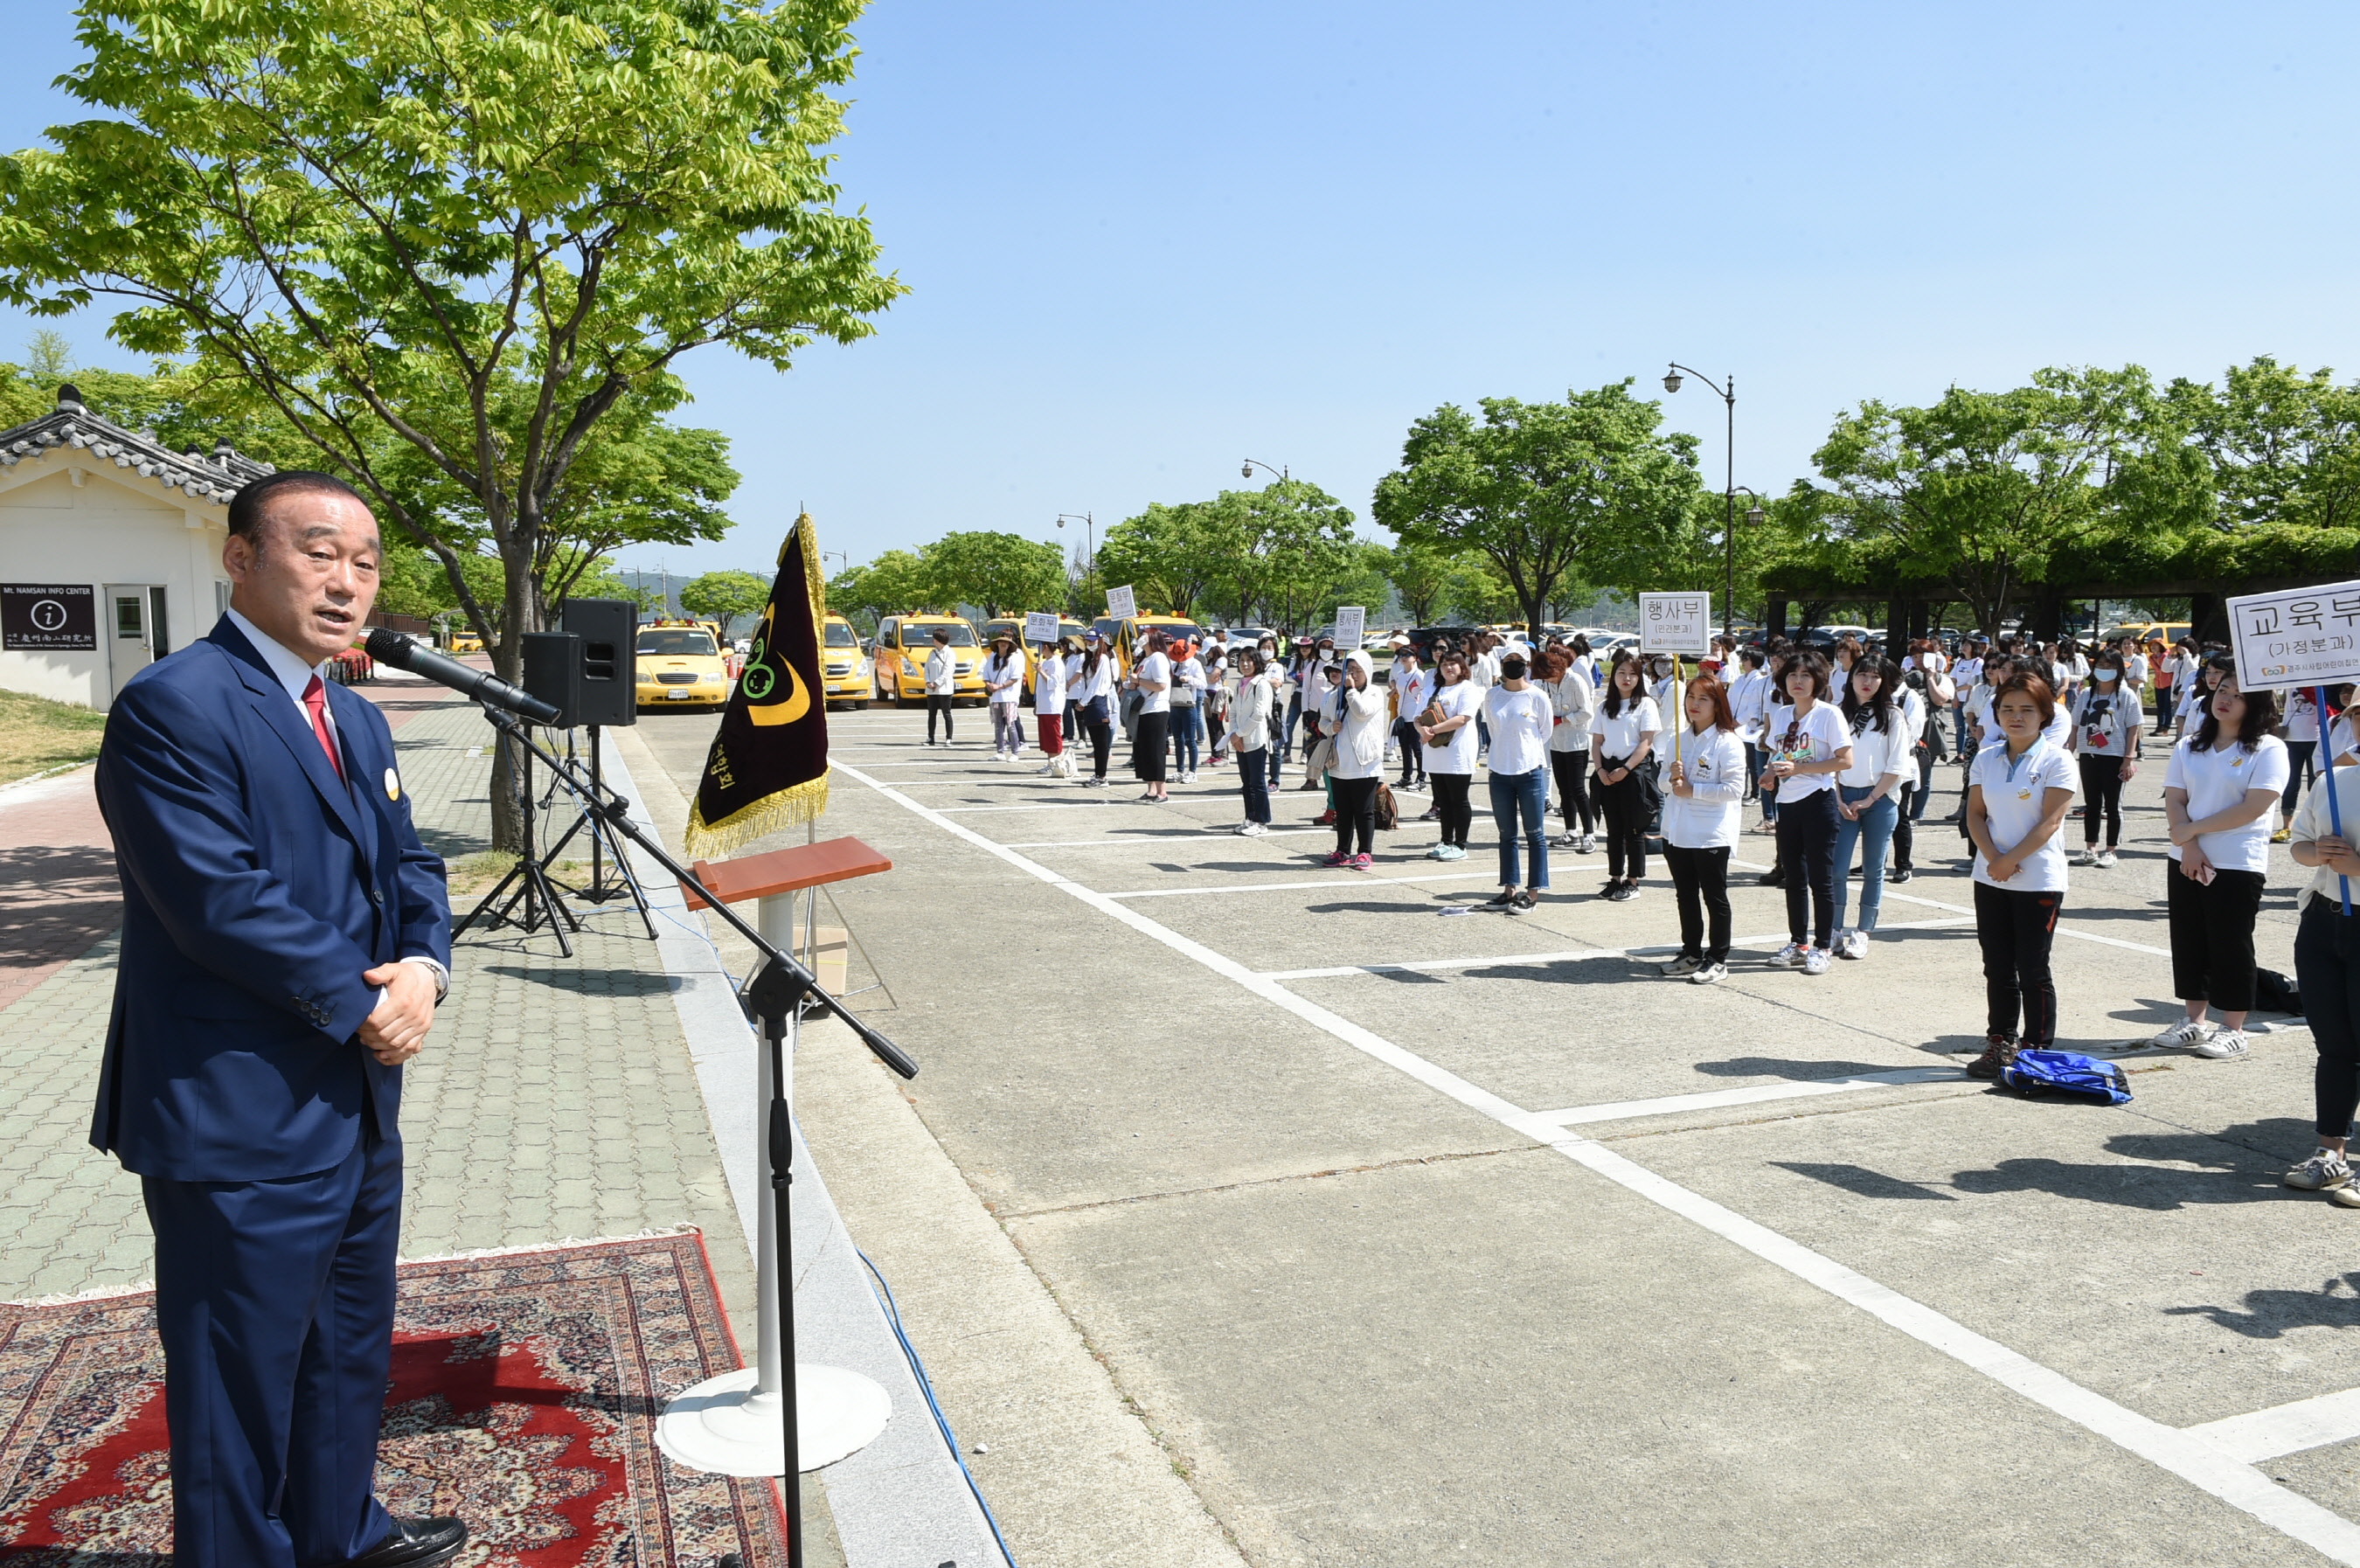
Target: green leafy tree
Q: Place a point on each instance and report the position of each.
(1543, 489)
(999, 573)
(2280, 446)
(465, 232)
(725, 596)
(896, 583)
(1420, 573)
(1290, 552)
(1172, 556)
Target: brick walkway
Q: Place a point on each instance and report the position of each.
(556, 1098)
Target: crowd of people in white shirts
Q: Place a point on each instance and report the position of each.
(1840, 749)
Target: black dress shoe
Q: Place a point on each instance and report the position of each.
(414, 1544)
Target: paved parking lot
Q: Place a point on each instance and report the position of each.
(1430, 1237)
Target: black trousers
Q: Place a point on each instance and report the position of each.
(938, 705)
(1412, 750)
(2017, 931)
(2101, 791)
(2213, 936)
(1451, 804)
(1905, 835)
(2327, 969)
(1700, 878)
(1807, 850)
(1151, 738)
(1356, 814)
(1100, 729)
(1625, 809)
(1572, 769)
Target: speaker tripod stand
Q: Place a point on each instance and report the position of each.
(611, 877)
(526, 897)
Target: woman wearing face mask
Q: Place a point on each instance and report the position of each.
(1868, 793)
(1187, 719)
(1268, 651)
(1700, 818)
(1575, 705)
(1355, 715)
(1447, 729)
(2219, 790)
(1809, 745)
(1151, 735)
(1090, 689)
(1624, 740)
(1251, 727)
(2105, 737)
(1521, 717)
(1316, 683)
(2017, 793)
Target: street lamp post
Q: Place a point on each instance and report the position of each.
(1089, 521)
(1727, 395)
(1245, 469)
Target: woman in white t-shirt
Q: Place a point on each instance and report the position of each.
(2327, 971)
(1187, 712)
(1049, 665)
(2107, 720)
(1868, 793)
(2302, 744)
(1622, 741)
(1151, 734)
(1253, 720)
(2018, 791)
(1355, 718)
(1003, 684)
(1445, 728)
(1702, 804)
(1808, 744)
(2219, 790)
(1520, 717)
(1089, 688)
(1575, 703)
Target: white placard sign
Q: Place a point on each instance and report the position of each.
(1121, 604)
(2303, 636)
(1039, 626)
(1676, 623)
(1352, 624)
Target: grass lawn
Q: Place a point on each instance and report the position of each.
(37, 734)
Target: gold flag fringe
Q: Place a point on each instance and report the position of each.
(798, 804)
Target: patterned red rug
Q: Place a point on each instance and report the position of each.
(525, 1391)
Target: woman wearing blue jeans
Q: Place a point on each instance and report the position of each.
(1520, 715)
(1868, 792)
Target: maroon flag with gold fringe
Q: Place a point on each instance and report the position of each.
(768, 769)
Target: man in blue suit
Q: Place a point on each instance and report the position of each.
(285, 939)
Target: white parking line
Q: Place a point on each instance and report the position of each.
(1362, 881)
(1164, 839)
(2285, 1428)
(1069, 806)
(1670, 1104)
(1511, 959)
(2200, 1464)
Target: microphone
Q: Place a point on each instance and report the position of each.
(392, 647)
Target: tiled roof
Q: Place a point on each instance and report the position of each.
(212, 476)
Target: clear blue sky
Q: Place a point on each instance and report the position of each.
(1146, 242)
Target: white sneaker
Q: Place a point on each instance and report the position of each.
(1189, 777)
(2185, 1035)
(1047, 770)
(1855, 945)
(1815, 962)
(1683, 966)
(1790, 956)
(2106, 858)
(2325, 1169)
(1254, 830)
(2222, 1045)
(2082, 857)
(1588, 845)
(1435, 853)
(1710, 974)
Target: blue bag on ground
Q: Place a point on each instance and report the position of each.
(2066, 1072)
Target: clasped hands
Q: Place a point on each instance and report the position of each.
(396, 1029)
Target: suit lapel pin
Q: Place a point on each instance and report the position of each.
(392, 785)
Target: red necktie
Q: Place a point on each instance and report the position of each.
(315, 699)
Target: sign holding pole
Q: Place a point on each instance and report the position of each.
(2302, 637)
(1041, 627)
(1352, 624)
(1121, 604)
(1676, 624)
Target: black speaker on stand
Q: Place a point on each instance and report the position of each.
(599, 686)
(526, 897)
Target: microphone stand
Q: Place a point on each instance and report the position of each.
(782, 989)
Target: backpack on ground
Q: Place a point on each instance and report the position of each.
(2066, 1072)
(2274, 993)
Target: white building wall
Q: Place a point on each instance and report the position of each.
(100, 530)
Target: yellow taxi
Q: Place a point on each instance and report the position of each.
(844, 672)
(681, 666)
(905, 641)
(465, 642)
